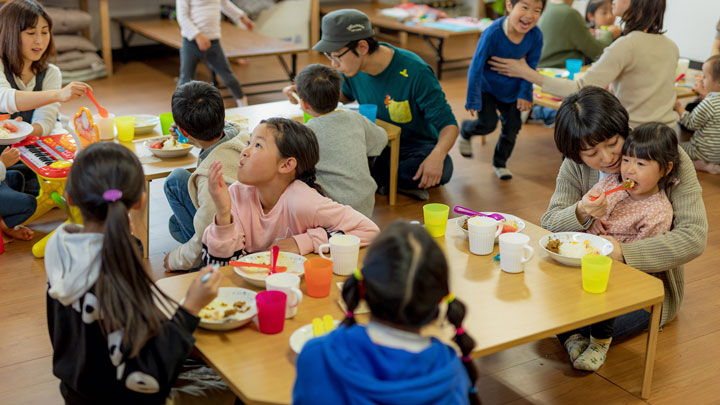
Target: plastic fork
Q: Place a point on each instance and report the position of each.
(626, 185)
(103, 112)
(467, 211)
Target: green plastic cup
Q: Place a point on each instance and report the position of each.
(166, 119)
(436, 217)
(306, 117)
(595, 273)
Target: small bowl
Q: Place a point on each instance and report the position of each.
(602, 246)
(23, 130)
(230, 295)
(145, 123)
(520, 223)
(295, 264)
(167, 153)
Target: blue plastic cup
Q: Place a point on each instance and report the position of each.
(573, 66)
(368, 111)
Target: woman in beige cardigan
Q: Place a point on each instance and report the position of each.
(639, 66)
(590, 130)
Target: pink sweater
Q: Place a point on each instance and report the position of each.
(628, 220)
(301, 213)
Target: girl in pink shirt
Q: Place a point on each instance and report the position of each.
(275, 200)
(650, 158)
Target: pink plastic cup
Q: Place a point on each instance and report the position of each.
(271, 311)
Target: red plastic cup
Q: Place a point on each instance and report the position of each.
(318, 277)
(2, 245)
(271, 311)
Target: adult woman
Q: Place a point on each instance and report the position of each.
(640, 66)
(590, 130)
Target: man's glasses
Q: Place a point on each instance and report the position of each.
(336, 58)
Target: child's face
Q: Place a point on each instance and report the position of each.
(524, 15)
(709, 83)
(619, 7)
(605, 156)
(603, 16)
(34, 41)
(645, 173)
(259, 161)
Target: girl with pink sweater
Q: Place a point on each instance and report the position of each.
(275, 200)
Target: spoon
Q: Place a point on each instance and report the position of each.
(275, 253)
(467, 211)
(103, 112)
(278, 269)
(626, 185)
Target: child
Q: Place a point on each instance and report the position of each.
(599, 14)
(108, 322)
(199, 22)
(404, 280)
(650, 158)
(275, 200)
(346, 139)
(514, 36)
(199, 115)
(704, 146)
(16, 206)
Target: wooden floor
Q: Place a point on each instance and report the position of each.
(687, 369)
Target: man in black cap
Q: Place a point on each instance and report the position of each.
(407, 94)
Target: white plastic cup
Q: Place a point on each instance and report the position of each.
(290, 285)
(106, 126)
(345, 250)
(482, 232)
(512, 247)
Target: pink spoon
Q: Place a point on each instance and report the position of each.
(103, 112)
(467, 211)
(275, 253)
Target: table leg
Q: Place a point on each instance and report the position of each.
(650, 350)
(394, 167)
(105, 35)
(140, 222)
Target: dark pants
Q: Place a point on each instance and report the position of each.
(31, 184)
(411, 156)
(15, 205)
(623, 326)
(486, 122)
(214, 57)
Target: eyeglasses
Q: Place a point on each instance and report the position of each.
(336, 58)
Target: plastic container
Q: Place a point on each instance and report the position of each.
(595, 273)
(436, 217)
(271, 311)
(368, 111)
(125, 128)
(318, 277)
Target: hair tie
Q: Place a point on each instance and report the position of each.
(449, 298)
(466, 358)
(112, 195)
(460, 331)
(349, 314)
(358, 275)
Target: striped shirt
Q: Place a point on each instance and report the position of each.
(705, 121)
(203, 16)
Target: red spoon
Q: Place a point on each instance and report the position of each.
(103, 112)
(626, 185)
(275, 253)
(278, 269)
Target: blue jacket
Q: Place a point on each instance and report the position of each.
(346, 367)
(481, 79)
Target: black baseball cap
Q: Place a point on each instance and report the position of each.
(341, 27)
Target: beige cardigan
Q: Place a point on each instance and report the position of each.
(663, 255)
(641, 69)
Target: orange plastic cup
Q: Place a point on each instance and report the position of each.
(318, 277)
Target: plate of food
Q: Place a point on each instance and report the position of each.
(167, 147)
(145, 123)
(232, 308)
(12, 131)
(256, 276)
(569, 247)
(510, 224)
(309, 331)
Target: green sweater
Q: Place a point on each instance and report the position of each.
(566, 36)
(663, 255)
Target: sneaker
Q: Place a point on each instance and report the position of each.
(416, 193)
(503, 173)
(465, 147)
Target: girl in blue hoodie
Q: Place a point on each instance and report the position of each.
(404, 281)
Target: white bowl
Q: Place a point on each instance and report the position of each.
(231, 295)
(602, 246)
(520, 223)
(145, 123)
(167, 153)
(302, 335)
(295, 264)
(23, 130)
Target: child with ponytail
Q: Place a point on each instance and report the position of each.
(276, 200)
(404, 281)
(116, 337)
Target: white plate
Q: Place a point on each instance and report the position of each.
(145, 123)
(295, 264)
(302, 335)
(230, 295)
(520, 223)
(167, 153)
(603, 246)
(23, 130)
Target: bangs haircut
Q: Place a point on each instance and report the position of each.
(319, 86)
(644, 15)
(655, 141)
(198, 108)
(514, 2)
(586, 118)
(593, 6)
(17, 16)
(714, 62)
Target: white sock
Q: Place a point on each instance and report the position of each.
(594, 356)
(575, 345)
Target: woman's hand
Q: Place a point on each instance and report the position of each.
(617, 249)
(587, 208)
(615, 31)
(9, 156)
(219, 193)
(73, 91)
(200, 294)
(248, 22)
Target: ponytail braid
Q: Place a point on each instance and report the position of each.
(456, 315)
(353, 291)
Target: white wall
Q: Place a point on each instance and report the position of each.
(691, 24)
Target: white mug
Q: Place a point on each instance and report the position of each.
(345, 250)
(290, 285)
(482, 232)
(106, 126)
(512, 246)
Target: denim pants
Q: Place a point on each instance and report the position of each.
(15, 205)
(486, 122)
(214, 57)
(626, 325)
(411, 156)
(176, 191)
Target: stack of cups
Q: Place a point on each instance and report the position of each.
(482, 232)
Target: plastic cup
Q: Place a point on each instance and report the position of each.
(318, 277)
(166, 119)
(106, 126)
(306, 117)
(345, 250)
(368, 111)
(436, 216)
(271, 311)
(595, 273)
(125, 128)
(573, 66)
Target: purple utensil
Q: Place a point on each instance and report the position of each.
(467, 211)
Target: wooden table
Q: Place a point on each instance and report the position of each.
(503, 310)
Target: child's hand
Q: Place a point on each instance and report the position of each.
(588, 208)
(248, 22)
(72, 91)
(288, 91)
(615, 31)
(288, 245)
(700, 89)
(200, 294)
(10, 156)
(524, 105)
(678, 107)
(597, 228)
(219, 193)
(473, 113)
(202, 42)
